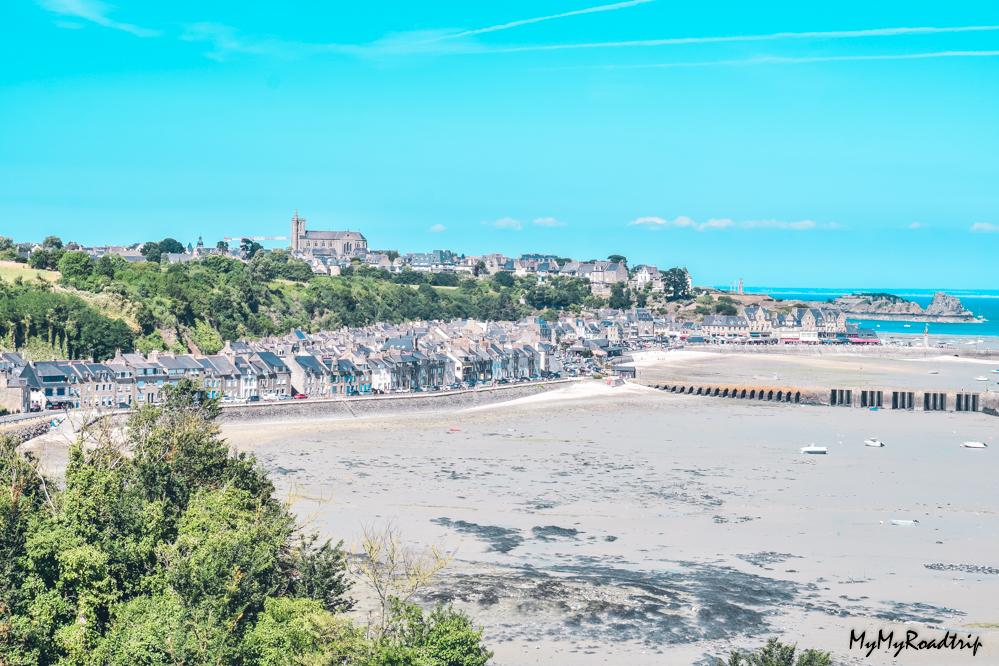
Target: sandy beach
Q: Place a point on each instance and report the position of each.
(605, 525)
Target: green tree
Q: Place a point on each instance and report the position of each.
(151, 251)
(52, 243)
(617, 258)
(620, 297)
(726, 308)
(76, 267)
(171, 246)
(206, 337)
(249, 248)
(503, 279)
(676, 282)
(775, 653)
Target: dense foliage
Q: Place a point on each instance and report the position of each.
(200, 304)
(217, 298)
(65, 324)
(177, 552)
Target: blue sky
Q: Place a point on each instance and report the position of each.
(788, 143)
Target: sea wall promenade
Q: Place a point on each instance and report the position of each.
(358, 407)
(23, 427)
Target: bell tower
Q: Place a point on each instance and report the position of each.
(297, 231)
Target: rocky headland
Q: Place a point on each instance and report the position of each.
(944, 308)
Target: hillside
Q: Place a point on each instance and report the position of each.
(200, 304)
(11, 271)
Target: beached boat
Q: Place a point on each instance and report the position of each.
(975, 445)
(981, 378)
(873, 442)
(815, 450)
(934, 372)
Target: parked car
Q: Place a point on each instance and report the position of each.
(253, 398)
(300, 396)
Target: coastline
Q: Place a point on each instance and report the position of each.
(566, 510)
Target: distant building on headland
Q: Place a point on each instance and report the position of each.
(325, 243)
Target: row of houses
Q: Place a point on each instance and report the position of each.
(388, 358)
(346, 363)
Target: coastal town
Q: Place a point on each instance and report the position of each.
(386, 358)
(434, 355)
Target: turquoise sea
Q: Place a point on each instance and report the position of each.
(983, 302)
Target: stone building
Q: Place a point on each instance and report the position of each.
(325, 243)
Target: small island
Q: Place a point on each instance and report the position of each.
(944, 308)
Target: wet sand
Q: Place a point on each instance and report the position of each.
(820, 368)
(598, 525)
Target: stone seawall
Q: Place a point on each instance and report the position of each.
(360, 407)
(26, 430)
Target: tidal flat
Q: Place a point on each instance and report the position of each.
(600, 525)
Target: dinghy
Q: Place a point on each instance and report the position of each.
(815, 450)
(873, 442)
(981, 378)
(975, 445)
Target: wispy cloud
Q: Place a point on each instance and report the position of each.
(225, 41)
(766, 37)
(684, 222)
(505, 223)
(540, 19)
(548, 222)
(95, 12)
(985, 228)
(793, 60)
(917, 225)
(437, 228)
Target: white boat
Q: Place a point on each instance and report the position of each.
(981, 378)
(934, 372)
(815, 450)
(996, 371)
(874, 443)
(906, 325)
(904, 523)
(975, 445)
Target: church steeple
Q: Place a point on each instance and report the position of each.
(297, 231)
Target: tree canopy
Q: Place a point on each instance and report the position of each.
(171, 550)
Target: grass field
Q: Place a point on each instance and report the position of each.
(10, 271)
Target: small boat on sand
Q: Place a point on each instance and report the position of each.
(934, 372)
(981, 378)
(874, 442)
(454, 429)
(975, 445)
(815, 450)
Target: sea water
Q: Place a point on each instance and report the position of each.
(982, 302)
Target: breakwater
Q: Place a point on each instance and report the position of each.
(25, 429)
(845, 396)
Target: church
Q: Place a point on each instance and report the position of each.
(325, 243)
